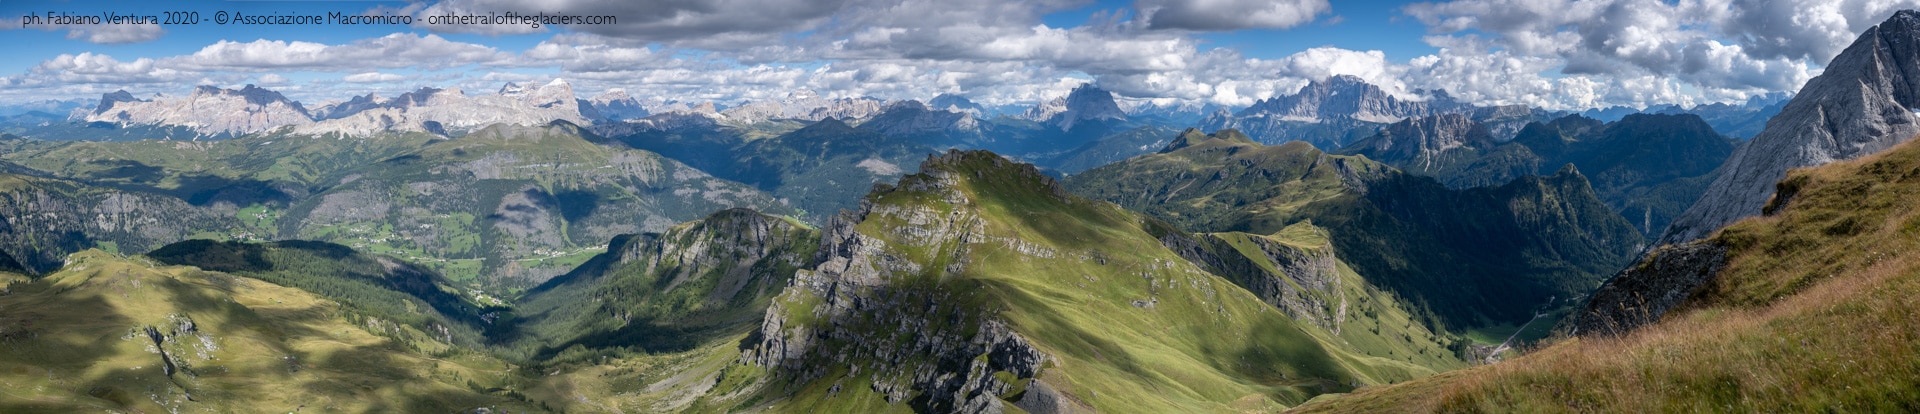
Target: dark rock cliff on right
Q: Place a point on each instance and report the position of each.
(1863, 103)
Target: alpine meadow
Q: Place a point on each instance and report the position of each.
(914, 206)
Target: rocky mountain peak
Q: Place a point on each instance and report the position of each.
(108, 100)
(1347, 96)
(616, 104)
(511, 89)
(1861, 104)
(803, 105)
(1046, 110)
(208, 110)
(1088, 103)
(956, 103)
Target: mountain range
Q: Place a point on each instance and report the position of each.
(1646, 167)
(1342, 248)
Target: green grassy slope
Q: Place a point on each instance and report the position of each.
(1061, 296)
(1813, 312)
(375, 286)
(1296, 271)
(1464, 258)
(669, 291)
(78, 340)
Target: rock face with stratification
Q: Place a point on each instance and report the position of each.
(442, 111)
(803, 105)
(1329, 113)
(1863, 103)
(1425, 145)
(208, 110)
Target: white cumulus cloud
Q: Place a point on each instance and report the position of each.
(373, 77)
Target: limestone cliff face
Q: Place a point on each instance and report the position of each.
(449, 110)
(1863, 103)
(615, 105)
(1426, 145)
(1340, 103)
(803, 105)
(209, 110)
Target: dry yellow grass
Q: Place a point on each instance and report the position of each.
(1815, 312)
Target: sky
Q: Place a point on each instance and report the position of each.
(1552, 54)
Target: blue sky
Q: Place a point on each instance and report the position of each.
(1561, 54)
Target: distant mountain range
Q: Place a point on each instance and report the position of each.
(1647, 167)
(1340, 249)
(1330, 113)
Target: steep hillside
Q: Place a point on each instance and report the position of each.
(1646, 167)
(979, 284)
(374, 286)
(669, 291)
(1109, 149)
(1807, 308)
(511, 205)
(1470, 258)
(1649, 167)
(112, 333)
(824, 167)
(44, 219)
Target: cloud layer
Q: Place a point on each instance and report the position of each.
(1557, 54)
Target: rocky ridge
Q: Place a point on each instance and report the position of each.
(1328, 113)
(208, 110)
(444, 111)
(803, 105)
(1424, 145)
(907, 118)
(1084, 104)
(860, 285)
(1861, 104)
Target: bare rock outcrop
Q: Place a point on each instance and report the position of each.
(1863, 103)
